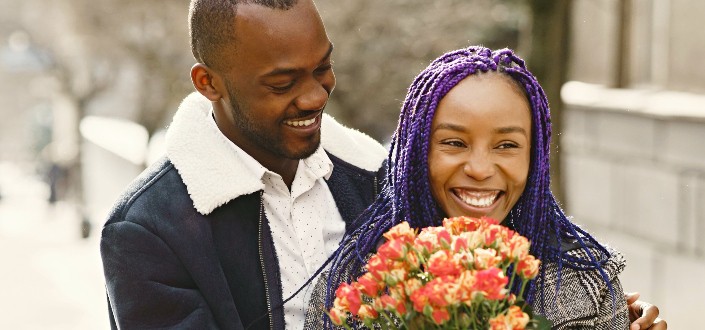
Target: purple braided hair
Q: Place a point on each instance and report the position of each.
(406, 195)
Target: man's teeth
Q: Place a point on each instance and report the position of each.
(298, 123)
(478, 199)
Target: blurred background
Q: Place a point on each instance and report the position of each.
(88, 87)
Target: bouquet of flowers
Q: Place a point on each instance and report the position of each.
(449, 277)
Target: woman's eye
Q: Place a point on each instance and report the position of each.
(453, 143)
(507, 145)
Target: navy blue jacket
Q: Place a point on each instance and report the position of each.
(187, 245)
(168, 266)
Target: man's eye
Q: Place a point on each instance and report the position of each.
(324, 68)
(282, 88)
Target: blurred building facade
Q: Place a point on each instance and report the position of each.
(633, 143)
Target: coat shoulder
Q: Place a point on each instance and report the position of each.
(157, 188)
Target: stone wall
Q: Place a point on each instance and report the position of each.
(634, 170)
(634, 156)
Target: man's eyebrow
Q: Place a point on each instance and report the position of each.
(330, 51)
(289, 71)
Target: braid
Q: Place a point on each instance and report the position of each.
(407, 194)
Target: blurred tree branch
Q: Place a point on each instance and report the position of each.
(548, 60)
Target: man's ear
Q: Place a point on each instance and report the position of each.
(203, 79)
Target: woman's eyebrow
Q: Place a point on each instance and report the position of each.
(451, 127)
(510, 129)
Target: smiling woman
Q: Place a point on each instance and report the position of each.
(473, 140)
(478, 154)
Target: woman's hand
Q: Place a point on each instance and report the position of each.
(643, 315)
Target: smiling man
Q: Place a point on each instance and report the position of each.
(258, 185)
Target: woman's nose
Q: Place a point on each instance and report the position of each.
(479, 166)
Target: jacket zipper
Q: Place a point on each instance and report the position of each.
(261, 259)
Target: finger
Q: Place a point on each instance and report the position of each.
(631, 297)
(659, 324)
(647, 317)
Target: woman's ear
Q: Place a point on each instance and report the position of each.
(203, 79)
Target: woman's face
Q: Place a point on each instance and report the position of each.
(480, 147)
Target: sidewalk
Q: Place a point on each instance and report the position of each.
(51, 278)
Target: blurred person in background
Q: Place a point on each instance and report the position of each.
(258, 185)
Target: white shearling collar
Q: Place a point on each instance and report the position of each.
(214, 174)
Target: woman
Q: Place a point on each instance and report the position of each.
(473, 139)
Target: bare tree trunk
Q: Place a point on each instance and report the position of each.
(548, 60)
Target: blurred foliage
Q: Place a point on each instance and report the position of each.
(380, 46)
(99, 46)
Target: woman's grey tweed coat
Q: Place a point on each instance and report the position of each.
(583, 301)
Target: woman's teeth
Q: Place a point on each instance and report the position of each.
(477, 198)
(299, 123)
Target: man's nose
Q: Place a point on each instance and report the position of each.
(314, 97)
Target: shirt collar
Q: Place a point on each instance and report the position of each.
(319, 164)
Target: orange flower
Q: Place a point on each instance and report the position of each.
(435, 294)
(486, 258)
(367, 312)
(377, 266)
(337, 316)
(394, 249)
(397, 273)
(464, 259)
(474, 239)
(499, 322)
(460, 243)
(442, 274)
(517, 318)
(347, 298)
(466, 282)
(440, 315)
(494, 234)
(515, 247)
(442, 263)
(412, 285)
(412, 260)
(489, 221)
(441, 291)
(368, 285)
(491, 283)
(390, 303)
(402, 232)
(459, 225)
(432, 238)
(528, 267)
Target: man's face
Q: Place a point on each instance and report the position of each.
(278, 78)
(480, 147)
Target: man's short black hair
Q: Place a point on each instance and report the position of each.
(211, 25)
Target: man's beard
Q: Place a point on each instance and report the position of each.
(261, 136)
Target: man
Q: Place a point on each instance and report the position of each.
(257, 187)
(246, 206)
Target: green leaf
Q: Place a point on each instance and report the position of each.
(539, 322)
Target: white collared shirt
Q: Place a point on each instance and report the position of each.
(305, 223)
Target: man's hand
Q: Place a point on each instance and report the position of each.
(643, 315)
